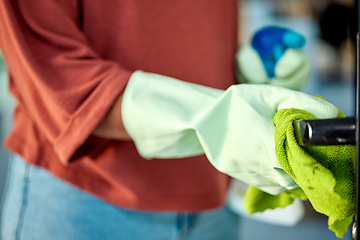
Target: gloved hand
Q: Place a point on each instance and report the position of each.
(169, 118)
(276, 57)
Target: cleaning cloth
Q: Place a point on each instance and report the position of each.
(325, 175)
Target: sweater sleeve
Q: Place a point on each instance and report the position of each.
(65, 86)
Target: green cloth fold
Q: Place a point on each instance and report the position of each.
(325, 175)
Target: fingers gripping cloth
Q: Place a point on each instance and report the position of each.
(325, 175)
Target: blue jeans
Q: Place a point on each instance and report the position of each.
(38, 206)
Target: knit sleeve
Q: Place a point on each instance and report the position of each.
(64, 84)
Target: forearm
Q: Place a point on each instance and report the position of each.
(170, 118)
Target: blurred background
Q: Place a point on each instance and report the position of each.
(329, 27)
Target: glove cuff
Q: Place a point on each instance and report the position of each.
(158, 111)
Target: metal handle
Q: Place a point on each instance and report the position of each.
(354, 230)
(337, 131)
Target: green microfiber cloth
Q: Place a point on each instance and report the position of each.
(325, 175)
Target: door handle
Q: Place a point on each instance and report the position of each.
(337, 131)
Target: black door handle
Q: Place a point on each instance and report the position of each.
(337, 131)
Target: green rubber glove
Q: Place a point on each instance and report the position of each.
(169, 118)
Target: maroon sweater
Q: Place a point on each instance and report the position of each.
(68, 61)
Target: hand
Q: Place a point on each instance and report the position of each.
(275, 57)
(271, 44)
(169, 118)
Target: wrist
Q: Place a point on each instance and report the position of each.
(111, 126)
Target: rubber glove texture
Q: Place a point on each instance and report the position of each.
(169, 118)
